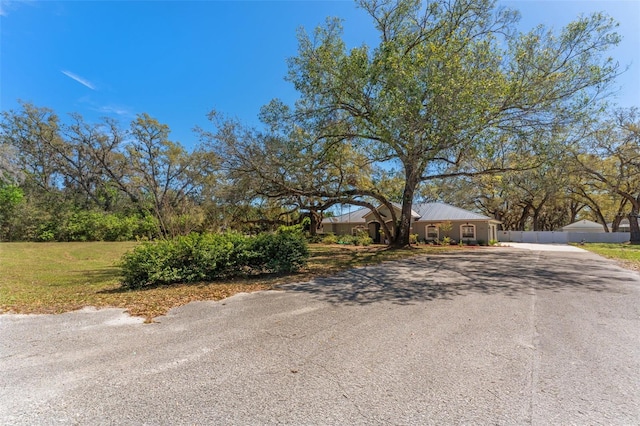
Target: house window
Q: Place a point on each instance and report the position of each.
(468, 231)
(431, 232)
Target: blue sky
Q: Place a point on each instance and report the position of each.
(177, 60)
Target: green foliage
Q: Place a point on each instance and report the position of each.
(45, 235)
(291, 229)
(208, 257)
(100, 226)
(453, 88)
(347, 239)
(330, 239)
(445, 227)
(283, 252)
(74, 174)
(10, 197)
(494, 243)
(446, 241)
(362, 238)
(317, 238)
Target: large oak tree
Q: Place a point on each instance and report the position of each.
(611, 160)
(447, 82)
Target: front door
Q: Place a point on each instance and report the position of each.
(374, 232)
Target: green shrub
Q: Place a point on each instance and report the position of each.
(149, 264)
(347, 239)
(45, 235)
(101, 226)
(282, 252)
(189, 258)
(314, 239)
(122, 228)
(330, 239)
(362, 238)
(83, 226)
(291, 229)
(207, 257)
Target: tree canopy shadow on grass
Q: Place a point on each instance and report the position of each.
(107, 273)
(444, 276)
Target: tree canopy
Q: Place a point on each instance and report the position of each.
(610, 162)
(448, 82)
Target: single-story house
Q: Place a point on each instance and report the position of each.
(583, 226)
(624, 226)
(430, 221)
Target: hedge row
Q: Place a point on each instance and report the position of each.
(94, 226)
(360, 239)
(208, 257)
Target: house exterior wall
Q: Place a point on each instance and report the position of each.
(338, 228)
(481, 234)
(482, 229)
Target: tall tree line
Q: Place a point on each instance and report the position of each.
(61, 169)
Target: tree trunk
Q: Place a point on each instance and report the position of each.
(615, 225)
(536, 219)
(313, 226)
(497, 215)
(633, 226)
(522, 222)
(575, 207)
(404, 227)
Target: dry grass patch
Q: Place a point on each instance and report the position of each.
(61, 277)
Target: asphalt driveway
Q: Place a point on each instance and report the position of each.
(491, 336)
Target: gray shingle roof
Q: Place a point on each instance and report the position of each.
(441, 211)
(427, 212)
(584, 224)
(356, 216)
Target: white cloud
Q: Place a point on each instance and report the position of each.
(7, 6)
(105, 107)
(79, 79)
(115, 109)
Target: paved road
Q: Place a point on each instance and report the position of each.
(493, 336)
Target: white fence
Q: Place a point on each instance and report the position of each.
(553, 237)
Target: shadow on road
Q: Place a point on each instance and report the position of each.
(445, 276)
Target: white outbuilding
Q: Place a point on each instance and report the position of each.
(584, 226)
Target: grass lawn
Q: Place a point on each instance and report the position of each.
(61, 277)
(627, 254)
